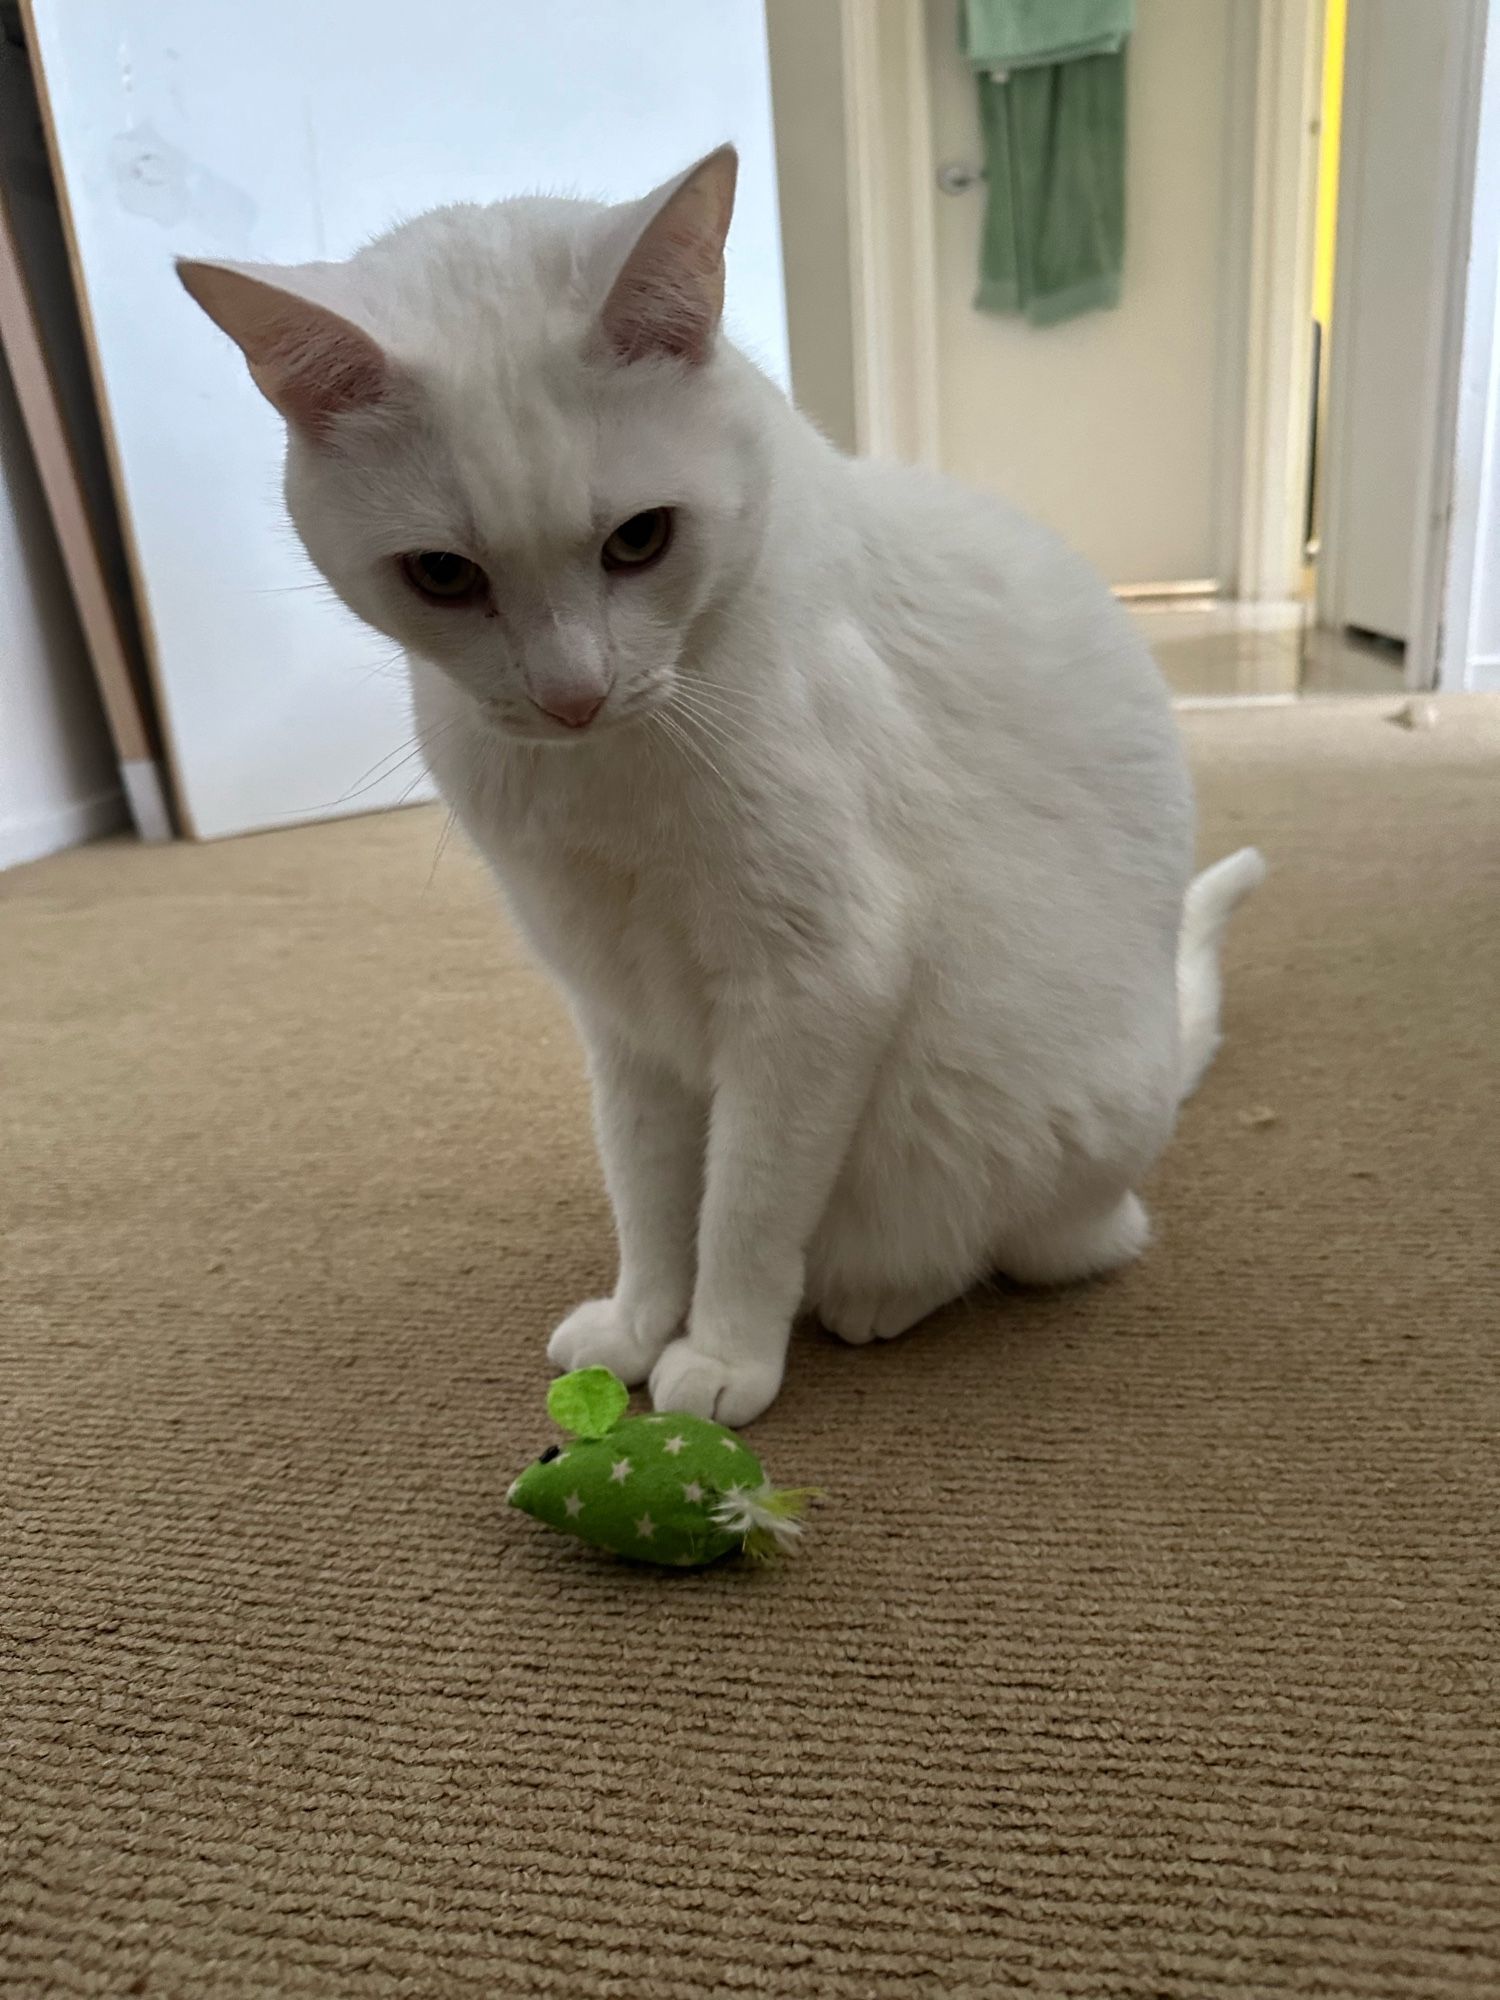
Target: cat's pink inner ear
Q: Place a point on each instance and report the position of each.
(309, 361)
(669, 294)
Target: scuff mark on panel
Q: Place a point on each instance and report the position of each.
(174, 85)
(154, 179)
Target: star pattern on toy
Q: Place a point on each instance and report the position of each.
(729, 1444)
(692, 1491)
(573, 1506)
(675, 1444)
(645, 1527)
(619, 1472)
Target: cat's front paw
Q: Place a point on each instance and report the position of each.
(704, 1385)
(603, 1333)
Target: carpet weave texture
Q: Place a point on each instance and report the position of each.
(1145, 1644)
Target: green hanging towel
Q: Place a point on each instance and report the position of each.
(1052, 107)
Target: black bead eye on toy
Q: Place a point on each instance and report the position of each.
(552, 1451)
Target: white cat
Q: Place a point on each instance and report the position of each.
(846, 805)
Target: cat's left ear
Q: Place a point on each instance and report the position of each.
(305, 357)
(668, 293)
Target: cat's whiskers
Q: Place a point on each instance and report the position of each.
(675, 736)
(391, 663)
(385, 768)
(693, 696)
(692, 749)
(724, 688)
(686, 725)
(710, 726)
(726, 732)
(731, 706)
(423, 777)
(443, 838)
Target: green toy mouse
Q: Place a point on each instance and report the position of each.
(670, 1489)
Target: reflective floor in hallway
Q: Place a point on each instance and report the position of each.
(1216, 651)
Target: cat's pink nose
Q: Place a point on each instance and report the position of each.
(574, 711)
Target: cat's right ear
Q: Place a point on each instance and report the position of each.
(306, 359)
(668, 292)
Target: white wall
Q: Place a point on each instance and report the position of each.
(296, 129)
(58, 779)
(1112, 427)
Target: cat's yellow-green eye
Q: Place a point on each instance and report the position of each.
(443, 577)
(642, 539)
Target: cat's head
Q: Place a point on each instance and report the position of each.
(516, 443)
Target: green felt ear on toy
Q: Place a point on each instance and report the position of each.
(588, 1403)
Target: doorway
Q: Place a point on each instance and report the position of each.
(1225, 444)
(1156, 436)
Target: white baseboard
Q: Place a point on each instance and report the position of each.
(69, 825)
(1482, 673)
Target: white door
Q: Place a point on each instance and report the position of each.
(1114, 427)
(1388, 291)
(294, 129)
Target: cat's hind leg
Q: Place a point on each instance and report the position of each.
(859, 1315)
(902, 1237)
(1069, 1248)
(1059, 1252)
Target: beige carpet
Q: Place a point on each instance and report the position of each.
(1145, 1645)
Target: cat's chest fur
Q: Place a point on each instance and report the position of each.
(627, 944)
(643, 894)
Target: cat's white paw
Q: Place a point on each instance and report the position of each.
(603, 1334)
(704, 1385)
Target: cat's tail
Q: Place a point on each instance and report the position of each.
(1211, 900)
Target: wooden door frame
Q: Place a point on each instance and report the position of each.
(1270, 244)
(892, 255)
(1265, 351)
